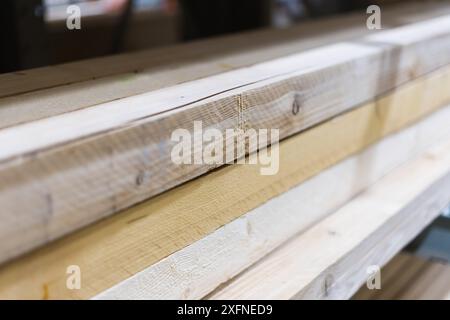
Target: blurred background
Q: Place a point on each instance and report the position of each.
(33, 33)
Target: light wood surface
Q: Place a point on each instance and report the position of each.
(65, 172)
(331, 259)
(38, 93)
(196, 270)
(116, 248)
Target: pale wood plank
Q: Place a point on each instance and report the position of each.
(330, 260)
(125, 75)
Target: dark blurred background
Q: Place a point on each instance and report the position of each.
(33, 33)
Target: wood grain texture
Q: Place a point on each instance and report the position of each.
(36, 94)
(409, 277)
(64, 172)
(330, 260)
(116, 248)
(198, 269)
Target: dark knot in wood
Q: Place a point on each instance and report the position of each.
(296, 105)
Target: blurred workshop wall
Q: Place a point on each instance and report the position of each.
(151, 23)
(23, 42)
(34, 33)
(206, 18)
(288, 12)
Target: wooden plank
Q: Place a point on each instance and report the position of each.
(271, 85)
(409, 277)
(331, 259)
(116, 248)
(150, 70)
(198, 269)
(64, 172)
(129, 74)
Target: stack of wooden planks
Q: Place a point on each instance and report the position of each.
(87, 179)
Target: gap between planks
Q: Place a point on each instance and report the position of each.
(409, 277)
